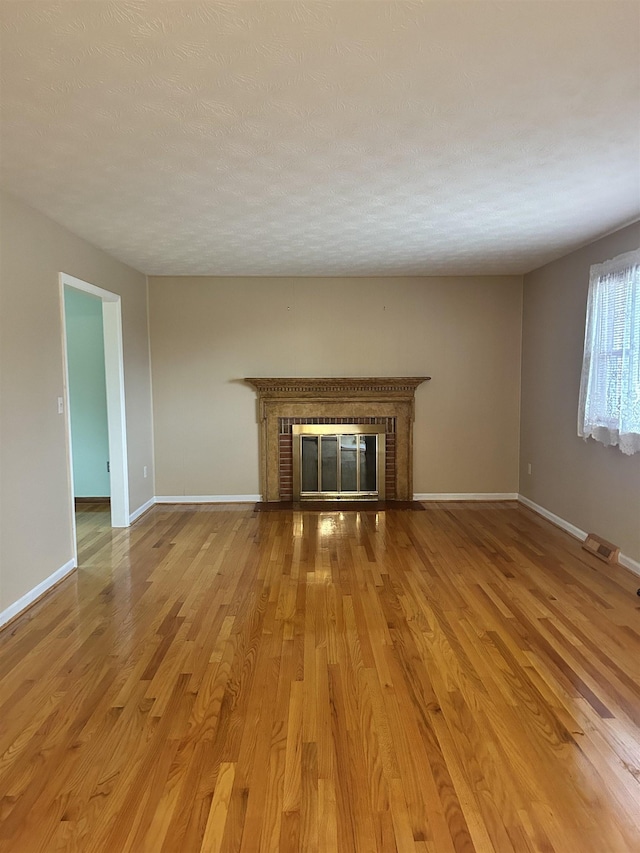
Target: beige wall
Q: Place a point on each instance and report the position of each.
(209, 333)
(596, 488)
(35, 513)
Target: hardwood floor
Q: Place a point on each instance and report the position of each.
(460, 679)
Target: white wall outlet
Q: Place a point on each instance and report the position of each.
(144, 471)
(528, 467)
(60, 406)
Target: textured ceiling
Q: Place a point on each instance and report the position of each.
(315, 138)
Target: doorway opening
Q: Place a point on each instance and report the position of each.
(87, 397)
(118, 477)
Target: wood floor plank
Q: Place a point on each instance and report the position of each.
(464, 678)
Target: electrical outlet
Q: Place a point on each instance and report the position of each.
(60, 406)
(144, 471)
(528, 467)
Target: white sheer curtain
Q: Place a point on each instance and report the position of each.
(609, 406)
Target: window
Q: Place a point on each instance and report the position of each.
(609, 407)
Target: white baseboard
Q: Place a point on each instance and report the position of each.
(555, 519)
(625, 561)
(141, 510)
(207, 499)
(628, 563)
(37, 592)
(466, 496)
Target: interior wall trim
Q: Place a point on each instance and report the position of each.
(465, 496)
(553, 518)
(627, 562)
(29, 598)
(206, 499)
(135, 515)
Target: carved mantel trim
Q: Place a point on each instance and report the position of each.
(388, 396)
(403, 386)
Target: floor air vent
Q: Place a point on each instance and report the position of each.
(601, 548)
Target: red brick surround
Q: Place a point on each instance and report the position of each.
(285, 450)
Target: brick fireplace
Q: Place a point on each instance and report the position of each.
(386, 402)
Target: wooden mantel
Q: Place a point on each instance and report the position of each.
(293, 397)
(385, 386)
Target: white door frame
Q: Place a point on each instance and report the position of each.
(114, 375)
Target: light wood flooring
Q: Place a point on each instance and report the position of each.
(460, 679)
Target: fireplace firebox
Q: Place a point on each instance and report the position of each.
(338, 462)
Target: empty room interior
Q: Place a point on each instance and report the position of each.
(320, 426)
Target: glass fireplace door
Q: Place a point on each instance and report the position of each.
(338, 461)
